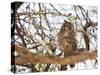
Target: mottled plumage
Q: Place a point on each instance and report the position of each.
(66, 38)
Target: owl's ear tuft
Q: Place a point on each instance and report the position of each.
(65, 21)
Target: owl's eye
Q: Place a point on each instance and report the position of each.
(65, 25)
(69, 27)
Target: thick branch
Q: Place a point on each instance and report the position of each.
(28, 57)
(86, 38)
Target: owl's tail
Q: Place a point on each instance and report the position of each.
(64, 67)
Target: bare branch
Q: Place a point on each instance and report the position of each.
(28, 57)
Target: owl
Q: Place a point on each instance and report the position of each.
(66, 38)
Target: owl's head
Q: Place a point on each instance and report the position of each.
(67, 26)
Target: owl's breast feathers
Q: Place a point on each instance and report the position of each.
(67, 40)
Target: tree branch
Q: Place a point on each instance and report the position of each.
(28, 57)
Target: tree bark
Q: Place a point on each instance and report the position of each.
(28, 57)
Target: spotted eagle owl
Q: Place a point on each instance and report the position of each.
(66, 38)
